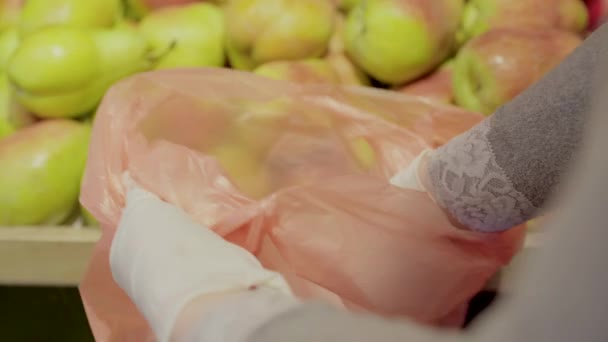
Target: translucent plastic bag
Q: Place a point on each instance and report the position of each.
(297, 175)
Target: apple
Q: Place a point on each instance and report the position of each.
(262, 31)
(186, 36)
(396, 41)
(9, 40)
(304, 71)
(436, 87)
(42, 166)
(598, 13)
(10, 12)
(75, 13)
(496, 66)
(482, 15)
(63, 72)
(12, 115)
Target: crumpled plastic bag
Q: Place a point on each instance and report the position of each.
(296, 174)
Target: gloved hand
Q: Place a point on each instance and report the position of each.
(165, 262)
(415, 177)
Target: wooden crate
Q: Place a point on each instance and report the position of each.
(59, 256)
(56, 256)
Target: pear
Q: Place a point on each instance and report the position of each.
(10, 12)
(9, 40)
(137, 9)
(74, 13)
(87, 217)
(244, 168)
(496, 66)
(345, 69)
(303, 71)
(483, 15)
(259, 125)
(41, 170)
(63, 72)
(12, 115)
(396, 41)
(262, 31)
(363, 153)
(347, 5)
(336, 42)
(186, 36)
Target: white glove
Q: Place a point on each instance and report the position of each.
(165, 261)
(409, 178)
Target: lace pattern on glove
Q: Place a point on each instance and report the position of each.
(467, 181)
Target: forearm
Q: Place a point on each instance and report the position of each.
(498, 174)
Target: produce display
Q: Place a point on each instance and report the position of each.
(59, 57)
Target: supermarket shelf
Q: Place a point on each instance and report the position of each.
(59, 256)
(56, 256)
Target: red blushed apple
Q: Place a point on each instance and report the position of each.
(498, 65)
(598, 13)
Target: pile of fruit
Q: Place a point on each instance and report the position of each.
(59, 57)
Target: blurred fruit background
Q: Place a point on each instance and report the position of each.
(59, 57)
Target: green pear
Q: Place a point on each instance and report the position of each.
(12, 115)
(135, 9)
(186, 36)
(9, 40)
(75, 13)
(347, 5)
(479, 16)
(87, 217)
(336, 42)
(10, 12)
(262, 31)
(396, 41)
(63, 72)
(303, 71)
(346, 71)
(138, 9)
(496, 66)
(42, 166)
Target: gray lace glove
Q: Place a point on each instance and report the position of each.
(500, 173)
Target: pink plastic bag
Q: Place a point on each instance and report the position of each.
(315, 202)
